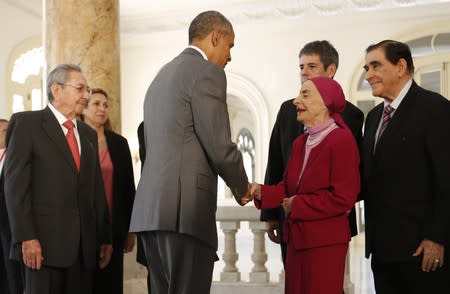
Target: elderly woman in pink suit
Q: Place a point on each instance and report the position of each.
(320, 185)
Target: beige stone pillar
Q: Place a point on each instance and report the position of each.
(86, 33)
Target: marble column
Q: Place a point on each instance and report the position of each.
(86, 33)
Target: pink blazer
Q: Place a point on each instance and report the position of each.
(327, 190)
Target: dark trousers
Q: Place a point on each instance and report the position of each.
(52, 280)
(178, 263)
(11, 273)
(140, 257)
(110, 279)
(407, 277)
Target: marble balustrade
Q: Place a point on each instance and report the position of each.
(230, 219)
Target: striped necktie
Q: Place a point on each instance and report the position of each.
(388, 109)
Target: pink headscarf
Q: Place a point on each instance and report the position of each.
(332, 96)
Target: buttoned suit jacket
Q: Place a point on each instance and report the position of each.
(328, 188)
(406, 184)
(188, 144)
(46, 197)
(285, 131)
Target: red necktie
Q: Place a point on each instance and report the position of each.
(388, 109)
(73, 144)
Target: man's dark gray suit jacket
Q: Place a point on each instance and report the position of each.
(46, 197)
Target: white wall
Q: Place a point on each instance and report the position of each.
(266, 53)
(16, 26)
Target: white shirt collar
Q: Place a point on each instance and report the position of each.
(199, 50)
(396, 102)
(60, 117)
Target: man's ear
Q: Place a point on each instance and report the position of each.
(331, 70)
(215, 36)
(402, 67)
(55, 88)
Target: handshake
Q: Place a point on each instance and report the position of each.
(254, 191)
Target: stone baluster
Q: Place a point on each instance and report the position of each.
(349, 287)
(259, 273)
(230, 272)
(282, 277)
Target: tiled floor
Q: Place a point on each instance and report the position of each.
(360, 272)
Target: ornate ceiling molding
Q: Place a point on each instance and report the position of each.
(140, 16)
(251, 10)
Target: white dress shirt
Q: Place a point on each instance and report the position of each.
(62, 119)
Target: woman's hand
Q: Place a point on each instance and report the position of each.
(287, 204)
(255, 190)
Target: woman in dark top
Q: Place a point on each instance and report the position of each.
(117, 171)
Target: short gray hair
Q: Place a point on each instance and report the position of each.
(59, 76)
(206, 22)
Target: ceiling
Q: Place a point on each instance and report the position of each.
(143, 16)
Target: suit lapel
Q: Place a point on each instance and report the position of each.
(86, 148)
(399, 120)
(53, 129)
(371, 128)
(315, 152)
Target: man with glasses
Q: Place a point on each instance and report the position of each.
(54, 192)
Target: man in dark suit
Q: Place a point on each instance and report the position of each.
(10, 270)
(188, 143)
(54, 190)
(406, 168)
(317, 58)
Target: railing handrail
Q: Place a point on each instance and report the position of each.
(237, 213)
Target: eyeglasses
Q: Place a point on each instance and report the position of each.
(80, 89)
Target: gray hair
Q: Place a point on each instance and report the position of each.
(59, 76)
(206, 22)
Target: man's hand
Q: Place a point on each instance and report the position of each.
(248, 196)
(433, 255)
(105, 255)
(129, 243)
(254, 190)
(32, 254)
(273, 231)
